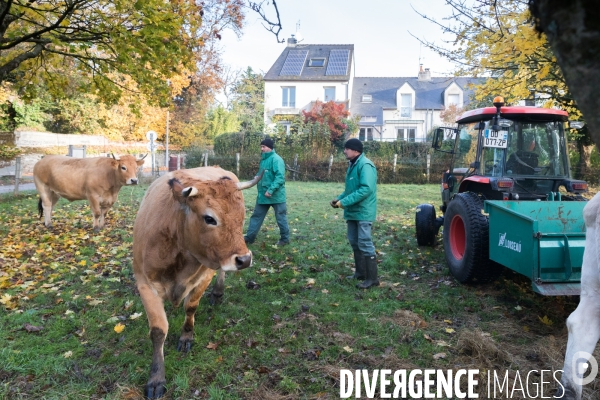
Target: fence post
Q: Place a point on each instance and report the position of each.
(178, 161)
(428, 165)
(295, 175)
(395, 161)
(17, 174)
(206, 159)
(237, 164)
(330, 163)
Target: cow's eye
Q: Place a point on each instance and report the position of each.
(124, 168)
(209, 220)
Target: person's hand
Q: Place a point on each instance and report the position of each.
(267, 194)
(333, 203)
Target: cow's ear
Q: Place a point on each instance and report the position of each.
(139, 162)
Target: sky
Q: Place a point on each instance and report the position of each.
(379, 29)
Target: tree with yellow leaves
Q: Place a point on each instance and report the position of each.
(497, 39)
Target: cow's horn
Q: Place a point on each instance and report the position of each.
(189, 192)
(249, 184)
(116, 157)
(144, 156)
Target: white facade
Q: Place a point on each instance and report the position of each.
(305, 94)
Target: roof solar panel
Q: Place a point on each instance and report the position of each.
(338, 62)
(294, 62)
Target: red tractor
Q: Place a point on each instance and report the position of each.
(497, 154)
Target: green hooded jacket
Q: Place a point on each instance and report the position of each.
(273, 180)
(359, 199)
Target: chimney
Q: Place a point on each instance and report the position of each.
(424, 75)
(291, 42)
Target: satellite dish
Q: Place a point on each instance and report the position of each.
(299, 36)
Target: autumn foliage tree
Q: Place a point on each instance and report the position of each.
(498, 39)
(330, 114)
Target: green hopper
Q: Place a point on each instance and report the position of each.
(543, 240)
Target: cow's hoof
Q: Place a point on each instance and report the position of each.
(185, 344)
(215, 299)
(155, 390)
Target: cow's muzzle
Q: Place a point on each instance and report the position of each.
(244, 261)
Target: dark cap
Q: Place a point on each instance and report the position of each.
(354, 144)
(268, 142)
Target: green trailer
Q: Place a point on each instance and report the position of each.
(543, 240)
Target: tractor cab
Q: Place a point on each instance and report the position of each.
(507, 153)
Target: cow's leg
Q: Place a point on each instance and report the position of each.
(48, 199)
(584, 332)
(96, 212)
(190, 305)
(216, 295)
(584, 322)
(159, 326)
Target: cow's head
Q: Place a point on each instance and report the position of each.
(126, 168)
(212, 221)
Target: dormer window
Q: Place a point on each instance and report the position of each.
(367, 98)
(316, 62)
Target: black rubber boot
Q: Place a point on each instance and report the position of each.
(360, 272)
(371, 266)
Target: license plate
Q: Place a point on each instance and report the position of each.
(496, 139)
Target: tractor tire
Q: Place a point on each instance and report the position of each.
(466, 240)
(425, 225)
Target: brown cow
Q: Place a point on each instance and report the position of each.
(96, 179)
(188, 226)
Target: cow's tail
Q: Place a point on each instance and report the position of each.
(40, 208)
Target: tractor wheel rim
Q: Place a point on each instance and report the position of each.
(458, 237)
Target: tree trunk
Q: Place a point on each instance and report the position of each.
(573, 31)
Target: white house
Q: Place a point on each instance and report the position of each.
(389, 108)
(405, 108)
(304, 74)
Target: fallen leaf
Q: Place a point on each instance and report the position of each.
(518, 308)
(348, 349)
(450, 330)
(212, 346)
(324, 291)
(426, 336)
(439, 355)
(95, 302)
(310, 281)
(68, 354)
(546, 321)
(119, 327)
(135, 315)
(30, 328)
(447, 321)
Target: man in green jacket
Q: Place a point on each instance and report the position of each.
(359, 201)
(271, 193)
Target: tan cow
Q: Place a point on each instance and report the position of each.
(188, 226)
(96, 179)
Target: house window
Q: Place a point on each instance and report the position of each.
(406, 134)
(316, 62)
(367, 98)
(453, 99)
(329, 93)
(365, 134)
(368, 118)
(405, 105)
(289, 96)
(285, 127)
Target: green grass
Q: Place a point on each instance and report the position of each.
(286, 339)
